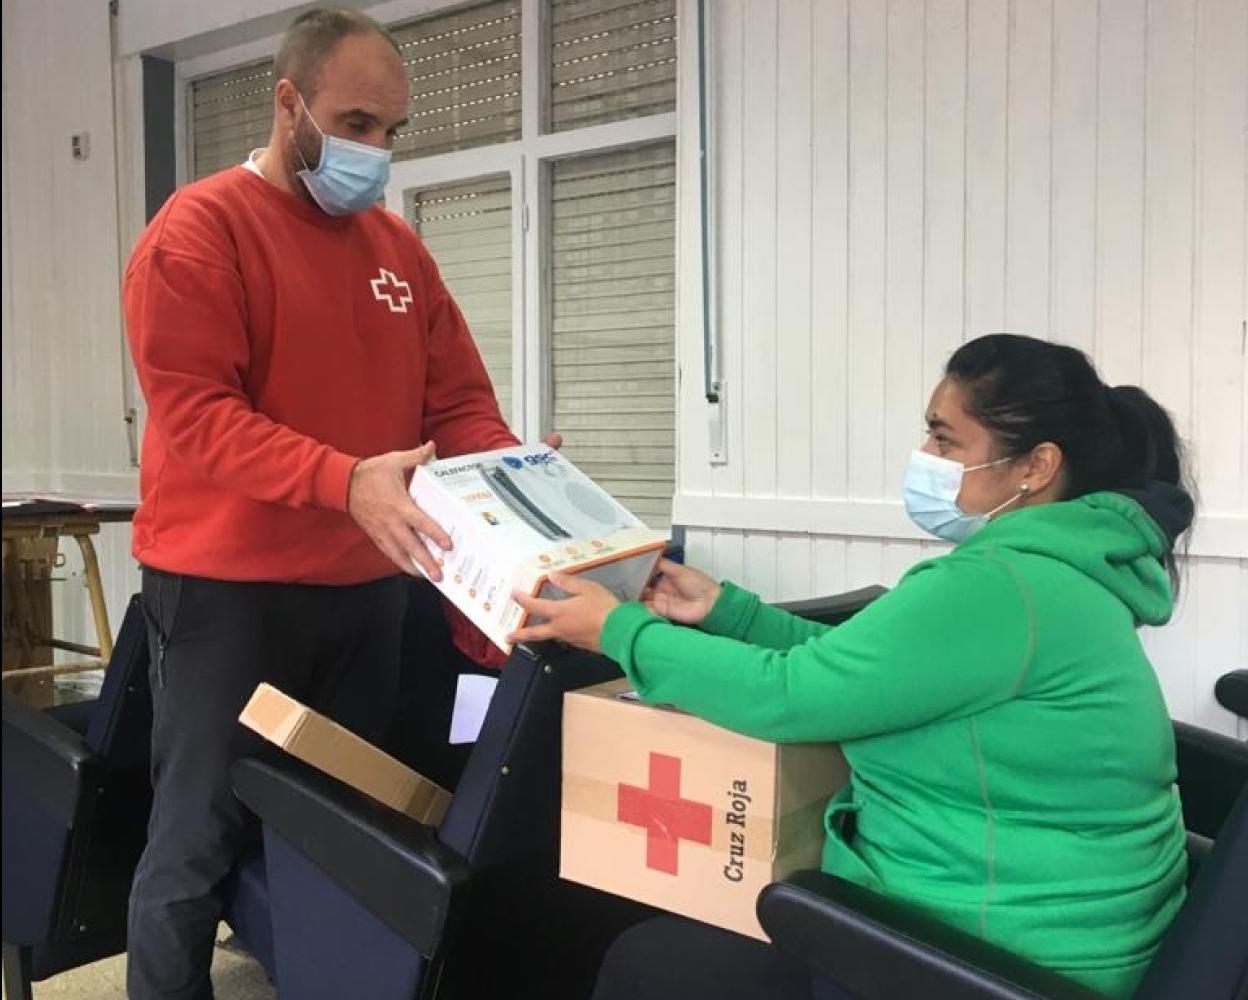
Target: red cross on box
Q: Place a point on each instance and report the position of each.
(667, 817)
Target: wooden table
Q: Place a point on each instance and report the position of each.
(32, 534)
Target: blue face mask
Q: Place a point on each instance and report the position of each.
(931, 495)
(350, 176)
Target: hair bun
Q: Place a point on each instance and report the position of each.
(1139, 422)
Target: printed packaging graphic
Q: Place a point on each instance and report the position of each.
(670, 810)
(516, 514)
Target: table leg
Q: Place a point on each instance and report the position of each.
(96, 589)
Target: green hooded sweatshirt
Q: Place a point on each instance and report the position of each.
(1013, 759)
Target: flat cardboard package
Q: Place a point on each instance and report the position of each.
(514, 515)
(326, 745)
(667, 809)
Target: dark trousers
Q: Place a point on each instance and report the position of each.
(335, 649)
(670, 958)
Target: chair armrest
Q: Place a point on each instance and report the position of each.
(1231, 690)
(1212, 770)
(52, 763)
(877, 948)
(394, 865)
(835, 608)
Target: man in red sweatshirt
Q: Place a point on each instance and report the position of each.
(300, 355)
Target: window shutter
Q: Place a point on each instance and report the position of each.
(232, 114)
(613, 315)
(465, 79)
(467, 228)
(611, 60)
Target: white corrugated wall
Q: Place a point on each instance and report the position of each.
(892, 178)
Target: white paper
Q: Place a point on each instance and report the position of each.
(472, 699)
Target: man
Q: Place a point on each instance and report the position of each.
(300, 356)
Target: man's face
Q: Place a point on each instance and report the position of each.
(361, 95)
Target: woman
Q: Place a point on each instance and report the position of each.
(1013, 761)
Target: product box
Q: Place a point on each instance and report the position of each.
(514, 515)
(667, 809)
(326, 745)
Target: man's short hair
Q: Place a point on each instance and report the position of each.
(312, 38)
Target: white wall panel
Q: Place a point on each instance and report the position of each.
(900, 376)
(1169, 222)
(987, 134)
(867, 225)
(62, 333)
(793, 260)
(944, 199)
(1120, 190)
(940, 169)
(1220, 348)
(1028, 174)
(828, 431)
(762, 106)
(63, 404)
(1072, 241)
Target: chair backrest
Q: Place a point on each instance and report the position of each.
(507, 802)
(1231, 690)
(1205, 952)
(120, 730)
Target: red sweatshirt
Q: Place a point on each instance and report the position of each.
(276, 346)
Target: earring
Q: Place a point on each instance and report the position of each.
(1023, 488)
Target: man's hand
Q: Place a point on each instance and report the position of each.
(553, 441)
(576, 619)
(378, 500)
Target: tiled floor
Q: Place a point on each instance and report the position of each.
(234, 977)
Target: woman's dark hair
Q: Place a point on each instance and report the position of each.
(1028, 391)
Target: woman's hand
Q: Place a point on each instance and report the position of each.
(576, 619)
(681, 593)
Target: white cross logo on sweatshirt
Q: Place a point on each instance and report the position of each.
(389, 289)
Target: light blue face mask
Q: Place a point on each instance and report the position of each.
(350, 176)
(931, 496)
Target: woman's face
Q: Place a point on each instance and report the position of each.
(953, 434)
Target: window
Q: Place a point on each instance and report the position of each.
(232, 114)
(613, 268)
(468, 229)
(611, 61)
(465, 79)
(552, 221)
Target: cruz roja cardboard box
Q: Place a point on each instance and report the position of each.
(514, 515)
(667, 809)
(326, 745)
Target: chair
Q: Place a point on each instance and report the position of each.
(363, 901)
(1231, 690)
(76, 801)
(877, 947)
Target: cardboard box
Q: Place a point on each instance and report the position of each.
(324, 744)
(667, 809)
(514, 515)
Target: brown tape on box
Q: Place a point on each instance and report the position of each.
(599, 800)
